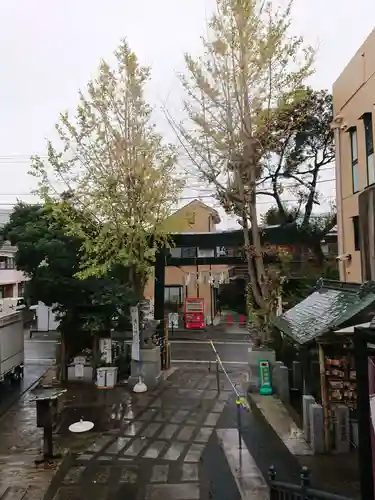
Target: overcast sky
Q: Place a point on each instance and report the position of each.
(50, 48)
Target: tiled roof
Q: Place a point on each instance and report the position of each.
(331, 305)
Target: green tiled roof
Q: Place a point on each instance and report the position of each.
(329, 307)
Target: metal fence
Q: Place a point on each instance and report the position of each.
(303, 491)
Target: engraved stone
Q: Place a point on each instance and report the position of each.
(190, 472)
(160, 473)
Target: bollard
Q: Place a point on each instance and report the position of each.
(242, 320)
(239, 424)
(305, 478)
(217, 377)
(229, 319)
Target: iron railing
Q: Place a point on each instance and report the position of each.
(303, 491)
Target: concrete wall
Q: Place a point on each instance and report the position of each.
(353, 95)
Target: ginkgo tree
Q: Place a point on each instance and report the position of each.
(249, 63)
(114, 167)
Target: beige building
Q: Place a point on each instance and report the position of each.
(354, 125)
(182, 282)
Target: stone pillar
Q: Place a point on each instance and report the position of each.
(276, 375)
(317, 428)
(342, 429)
(307, 401)
(149, 368)
(297, 375)
(283, 384)
(355, 434)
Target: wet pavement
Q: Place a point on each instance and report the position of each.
(10, 393)
(179, 441)
(164, 444)
(235, 352)
(20, 444)
(40, 349)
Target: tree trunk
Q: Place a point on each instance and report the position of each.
(250, 265)
(316, 248)
(256, 243)
(63, 360)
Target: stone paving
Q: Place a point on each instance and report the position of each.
(158, 447)
(20, 443)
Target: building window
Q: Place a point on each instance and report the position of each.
(354, 158)
(173, 298)
(357, 244)
(7, 262)
(21, 289)
(173, 294)
(369, 143)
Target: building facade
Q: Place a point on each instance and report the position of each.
(354, 126)
(190, 281)
(12, 281)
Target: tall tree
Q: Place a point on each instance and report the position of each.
(51, 259)
(250, 62)
(115, 168)
(302, 149)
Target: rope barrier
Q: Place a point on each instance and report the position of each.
(241, 400)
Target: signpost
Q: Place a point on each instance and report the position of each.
(135, 328)
(105, 346)
(172, 321)
(264, 378)
(140, 386)
(79, 363)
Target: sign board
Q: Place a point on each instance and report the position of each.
(135, 329)
(78, 370)
(264, 378)
(173, 320)
(221, 252)
(105, 346)
(79, 360)
(206, 252)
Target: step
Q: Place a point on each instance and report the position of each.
(20, 493)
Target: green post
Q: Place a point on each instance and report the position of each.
(265, 387)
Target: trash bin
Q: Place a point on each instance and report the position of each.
(100, 377)
(111, 376)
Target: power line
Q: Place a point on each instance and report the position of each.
(322, 181)
(190, 198)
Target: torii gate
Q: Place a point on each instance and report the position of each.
(272, 235)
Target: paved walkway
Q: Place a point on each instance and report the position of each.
(173, 443)
(179, 441)
(20, 444)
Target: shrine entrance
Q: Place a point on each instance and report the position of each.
(220, 248)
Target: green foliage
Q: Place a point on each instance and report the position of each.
(117, 171)
(250, 63)
(51, 259)
(301, 145)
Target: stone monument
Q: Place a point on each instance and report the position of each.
(148, 366)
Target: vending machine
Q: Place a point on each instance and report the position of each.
(194, 313)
